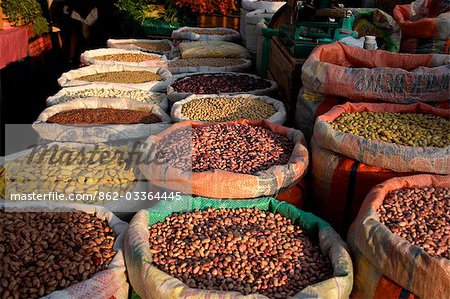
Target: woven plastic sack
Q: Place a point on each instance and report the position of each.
(424, 19)
(154, 60)
(252, 32)
(309, 106)
(186, 33)
(379, 253)
(278, 117)
(425, 46)
(174, 96)
(243, 67)
(71, 77)
(128, 44)
(228, 184)
(108, 91)
(340, 184)
(380, 153)
(110, 283)
(212, 49)
(104, 133)
(251, 5)
(384, 25)
(150, 282)
(367, 75)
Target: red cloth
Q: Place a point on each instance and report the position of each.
(13, 45)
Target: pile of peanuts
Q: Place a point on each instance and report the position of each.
(238, 148)
(71, 170)
(408, 129)
(208, 32)
(243, 250)
(206, 62)
(227, 109)
(98, 116)
(219, 83)
(151, 46)
(137, 95)
(127, 57)
(420, 215)
(123, 77)
(48, 251)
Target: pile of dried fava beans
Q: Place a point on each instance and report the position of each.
(72, 170)
(408, 129)
(420, 215)
(127, 57)
(238, 148)
(123, 77)
(151, 46)
(243, 250)
(49, 251)
(208, 32)
(99, 116)
(206, 62)
(219, 83)
(137, 95)
(227, 109)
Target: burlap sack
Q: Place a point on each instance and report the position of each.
(243, 67)
(212, 49)
(128, 44)
(186, 33)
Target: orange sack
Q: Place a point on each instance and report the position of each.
(345, 166)
(366, 76)
(388, 266)
(224, 184)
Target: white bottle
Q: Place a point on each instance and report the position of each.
(370, 43)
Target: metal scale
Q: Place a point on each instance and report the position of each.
(315, 22)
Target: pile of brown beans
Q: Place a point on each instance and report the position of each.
(238, 148)
(408, 129)
(127, 57)
(123, 77)
(208, 32)
(243, 250)
(103, 116)
(49, 251)
(151, 46)
(420, 215)
(206, 62)
(219, 83)
(227, 109)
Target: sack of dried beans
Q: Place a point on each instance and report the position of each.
(206, 34)
(110, 56)
(356, 146)
(401, 239)
(203, 248)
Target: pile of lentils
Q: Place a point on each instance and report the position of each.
(408, 129)
(420, 215)
(49, 251)
(123, 77)
(206, 62)
(243, 250)
(239, 148)
(151, 46)
(227, 109)
(100, 116)
(127, 57)
(219, 83)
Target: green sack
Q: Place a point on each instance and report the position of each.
(150, 282)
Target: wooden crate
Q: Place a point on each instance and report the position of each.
(211, 21)
(286, 71)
